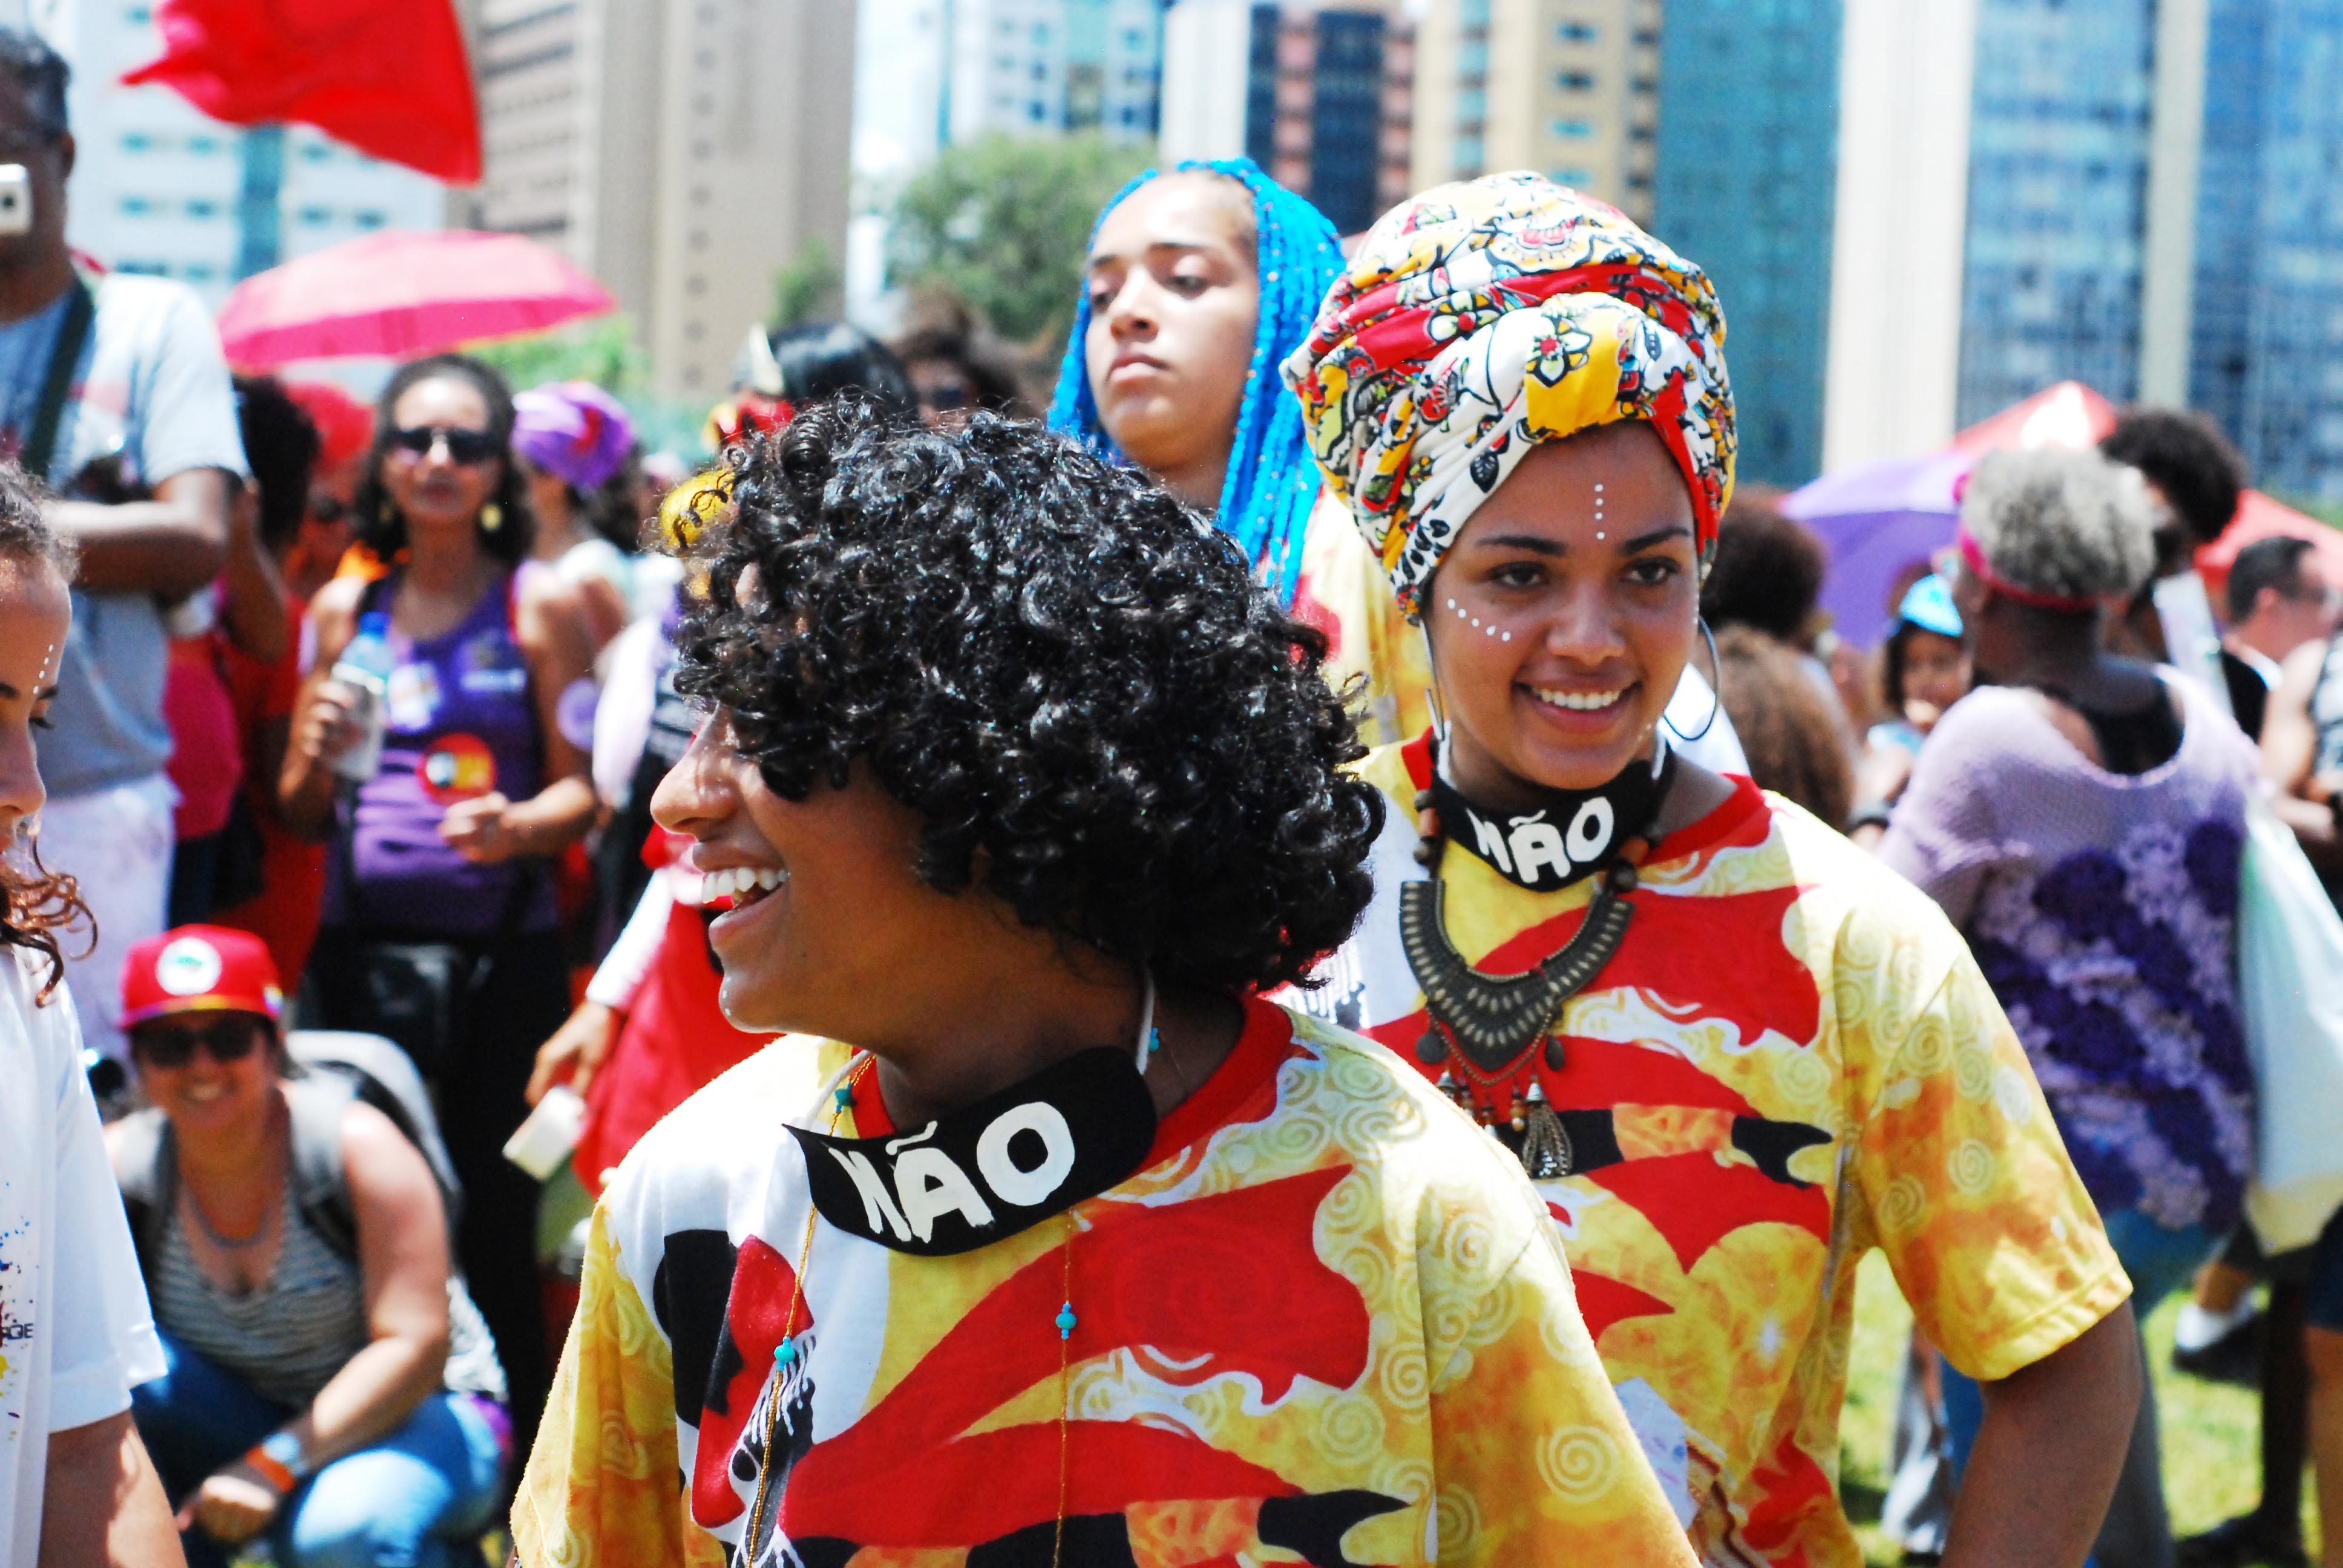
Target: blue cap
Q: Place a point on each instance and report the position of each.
(1929, 605)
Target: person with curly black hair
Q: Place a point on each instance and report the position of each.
(2197, 478)
(1055, 1242)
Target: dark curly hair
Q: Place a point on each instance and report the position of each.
(36, 905)
(2185, 456)
(381, 527)
(1056, 665)
(1767, 572)
(280, 446)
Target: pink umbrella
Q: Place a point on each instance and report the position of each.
(2259, 517)
(402, 294)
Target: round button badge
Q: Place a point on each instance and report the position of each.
(187, 967)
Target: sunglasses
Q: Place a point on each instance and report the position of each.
(168, 1046)
(467, 449)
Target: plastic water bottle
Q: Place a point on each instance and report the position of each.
(364, 670)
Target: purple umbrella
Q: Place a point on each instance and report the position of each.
(1878, 520)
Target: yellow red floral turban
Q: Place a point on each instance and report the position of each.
(1487, 315)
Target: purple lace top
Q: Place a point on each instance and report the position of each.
(2102, 907)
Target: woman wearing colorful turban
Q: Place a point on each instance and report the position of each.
(1734, 1053)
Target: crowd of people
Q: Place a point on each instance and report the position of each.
(1320, 956)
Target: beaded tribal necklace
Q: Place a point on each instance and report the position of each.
(1489, 1027)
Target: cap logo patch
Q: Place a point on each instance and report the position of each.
(187, 967)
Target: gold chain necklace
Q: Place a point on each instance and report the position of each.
(785, 1353)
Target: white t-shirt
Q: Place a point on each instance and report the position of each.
(75, 1329)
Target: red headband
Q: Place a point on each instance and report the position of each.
(1972, 559)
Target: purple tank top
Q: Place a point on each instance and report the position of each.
(459, 722)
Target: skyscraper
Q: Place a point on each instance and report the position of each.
(1570, 88)
(1045, 67)
(2268, 360)
(1746, 186)
(682, 153)
(1319, 94)
(2058, 188)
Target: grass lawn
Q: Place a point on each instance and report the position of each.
(2211, 1467)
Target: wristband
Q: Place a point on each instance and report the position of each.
(277, 1459)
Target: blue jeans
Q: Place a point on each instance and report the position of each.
(420, 1496)
(2159, 1263)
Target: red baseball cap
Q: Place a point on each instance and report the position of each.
(199, 969)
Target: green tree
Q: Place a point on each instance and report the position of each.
(810, 289)
(603, 351)
(1005, 222)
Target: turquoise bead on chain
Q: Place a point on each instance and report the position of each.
(1066, 1321)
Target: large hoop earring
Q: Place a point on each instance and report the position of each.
(1715, 693)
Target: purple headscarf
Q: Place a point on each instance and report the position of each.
(573, 429)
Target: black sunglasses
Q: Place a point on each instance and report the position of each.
(168, 1046)
(467, 448)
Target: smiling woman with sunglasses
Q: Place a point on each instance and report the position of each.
(439, 925)
(324, 1380)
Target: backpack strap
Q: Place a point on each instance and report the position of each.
(146, 1168)
(321, 1188)
(56, 385)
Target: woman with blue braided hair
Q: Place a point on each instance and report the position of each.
(1200, 281)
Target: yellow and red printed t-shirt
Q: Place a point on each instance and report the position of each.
(1327, 1321)
(1791, 1059)
(1342, 591)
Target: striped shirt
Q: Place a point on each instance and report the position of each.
(290, 1337)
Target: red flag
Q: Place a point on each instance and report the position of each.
(388, 76)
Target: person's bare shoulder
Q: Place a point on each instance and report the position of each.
(549, 611)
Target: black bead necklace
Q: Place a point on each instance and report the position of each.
(1487, 1027)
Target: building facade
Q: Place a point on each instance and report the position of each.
(1049, 67)
(2267, 359)
(1747, 185)
(1570, 88)
(159, 189)
(1321, 95)
(682, 153)
(2134, 193)
(2060, 135)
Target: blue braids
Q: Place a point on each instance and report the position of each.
(1272, 483)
